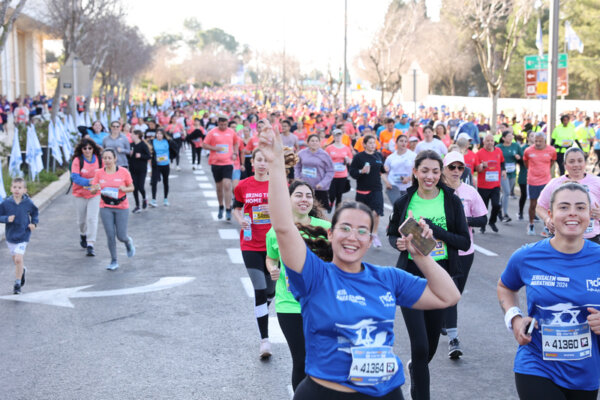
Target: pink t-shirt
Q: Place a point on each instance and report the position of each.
(225, 140)
(473, 206)
(538, 169)
(590, 182)
(88, 171)
(337, 156)
(121, 177)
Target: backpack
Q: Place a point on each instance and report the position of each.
(80, 157)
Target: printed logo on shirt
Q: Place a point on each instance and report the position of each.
(388, 300)
(342, 295)
(550, 280)
(593, 285)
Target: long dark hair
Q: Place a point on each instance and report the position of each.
(317, 209)
(78, 152)
(428, 155)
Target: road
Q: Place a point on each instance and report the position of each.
(128, 335)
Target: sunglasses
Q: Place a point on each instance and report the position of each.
(87, 148)
(459, 167)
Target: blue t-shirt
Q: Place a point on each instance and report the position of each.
(97, 137)
(402, 127)
(560, 287)
(342, 310)
(161, 149)
(597, 141)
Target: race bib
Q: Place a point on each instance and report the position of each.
(372, 365)
(398, 179)
(110, 192)
(511, 167)
(492, 176)
(163, 158)
(567, 143)
(176, 135)
(260, 214)
(309, 172)
(590, 227)
(439, 250)
(566, 343)
(339, 167)
(223, 149)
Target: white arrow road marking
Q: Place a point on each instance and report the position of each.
(198, 172)
(210, 193)
(235, 256)
(202, 179)
(212, 203)
(60, 297)
(247, 284)
(205, 186)
(485, 251)
(229, 234)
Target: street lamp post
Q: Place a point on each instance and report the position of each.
(345, 51)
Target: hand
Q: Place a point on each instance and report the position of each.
(319, 187)
(406, 179)
(388, 186)
(123, 188)
(405, 242)
(269, 143)
(594, 320)
(137, 155)
(234, 156)
(11, 218)
(549, 224)
(275, 272)
(347, 160)
(484, 164)
(366, 169)
(119, 150)
(595, 213)
(519, 327)
(31, 227)
(503, 174)
(517, 157)
(245, 224)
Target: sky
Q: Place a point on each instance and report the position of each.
(311, 30)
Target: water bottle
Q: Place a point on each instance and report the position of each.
(248, 232)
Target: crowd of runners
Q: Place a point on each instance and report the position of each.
(306, 187)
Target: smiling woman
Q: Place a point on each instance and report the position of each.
(558, 354)
(343, 299)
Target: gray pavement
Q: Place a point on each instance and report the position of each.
(198, 340)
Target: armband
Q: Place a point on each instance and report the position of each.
(510, 314)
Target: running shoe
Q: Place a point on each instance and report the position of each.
(17, 289)
(153, 203)
(520, 217)
(228, 214)
(144, 204)
(454, 350)
(90, 251)
(531, 230)
(166, 202)
(178, 169)
(506, 219)
(23, 277)
(193, 167)
(83, 241)
(443, 331)
(545, 233)
(376, 241)
(482, 230)
(265, 349)
(536, 219)
(112, 266)
(220, 216)
(130, 248)
(136, 210)
(494, 227)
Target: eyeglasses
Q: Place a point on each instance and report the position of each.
(87, 148)
(459, 167)
(362, 234)
(115, 126)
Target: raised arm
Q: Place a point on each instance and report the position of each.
(291, 246)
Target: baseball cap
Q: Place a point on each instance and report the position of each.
(413, 139)
(464, 135)
(222, 116)
(404, 116)
(452, 157)
(337, 132)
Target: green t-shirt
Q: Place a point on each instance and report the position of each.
(522, 179)
(510, 162)
(563, 137)
(432, 209)
(284, 300)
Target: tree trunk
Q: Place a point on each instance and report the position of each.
(383, 107)
(56, 100)
(494, 93)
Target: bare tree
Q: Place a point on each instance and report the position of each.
(495, 27)
(8, 16)
(213, 64)
(383, 63)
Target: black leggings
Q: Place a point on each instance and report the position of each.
(323, 197)
(264, 288)
(196, 154)
(179, 144)
(139, 180)
(291, 326)
(311, 390)
(531, 387)
(461, 280)
(159, 171)
(336, 191)
(494, 196)
(523, 197)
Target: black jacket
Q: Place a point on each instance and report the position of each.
(141, 163)
(456, 237)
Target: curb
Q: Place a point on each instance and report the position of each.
(44, 198)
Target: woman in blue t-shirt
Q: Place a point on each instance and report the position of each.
(160, 166)
(348, 306)
(558, 357)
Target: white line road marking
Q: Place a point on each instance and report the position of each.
(202, 179)
(484, 251)
(290, 391)
(386, 205)
(198, 172)
(275, 332)
(209, 193)
(235, 255)
(247, 283)
(229, 234)
(212, 203)
(215, 214)
(205, 186)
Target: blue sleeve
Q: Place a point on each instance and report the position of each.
(511, 277)
(3, 216)
(78, 179)
(34, 213)
(302, 284)
(409, 288)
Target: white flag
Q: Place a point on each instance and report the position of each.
(539, 42)
(14, 167)
(33, 154)
(571, 38)
(104, 119)
(2, 191)
(54, 143)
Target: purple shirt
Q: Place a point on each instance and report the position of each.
(314, 168)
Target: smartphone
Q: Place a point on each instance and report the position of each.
(424, 245)
(530, 327)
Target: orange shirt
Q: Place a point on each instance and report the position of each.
(346, 141)
(385, 136)
(225, 140)
(111, 183)
(358, 146)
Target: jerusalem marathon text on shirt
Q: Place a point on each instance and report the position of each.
(560, 289)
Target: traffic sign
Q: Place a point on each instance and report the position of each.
(536, 75)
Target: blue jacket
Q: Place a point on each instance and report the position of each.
(25, 213)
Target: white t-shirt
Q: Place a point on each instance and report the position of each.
(400, 166)
(140, 127)
(436, 145)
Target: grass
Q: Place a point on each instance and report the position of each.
(34, 187)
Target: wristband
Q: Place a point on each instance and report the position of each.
(510, 314)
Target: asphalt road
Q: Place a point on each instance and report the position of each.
(128, 334)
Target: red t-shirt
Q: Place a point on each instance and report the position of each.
(254, 195)
(489, 178)
(337, 156)
(121, 177)
(224, 139)
(470, 160)
(538, 164)
(88, 171)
